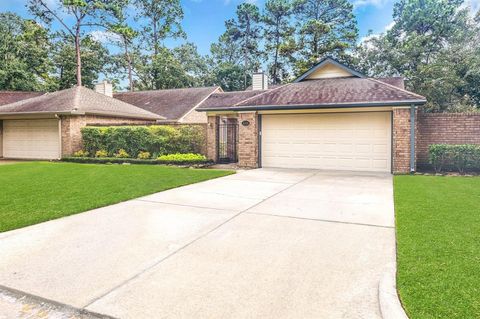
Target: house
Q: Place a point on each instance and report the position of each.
(47, 125)
(331, 117)
(177, 106)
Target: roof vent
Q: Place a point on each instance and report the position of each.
(259, 80)
(105, 88)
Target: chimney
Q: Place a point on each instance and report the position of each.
(105, 88)
(259, 81)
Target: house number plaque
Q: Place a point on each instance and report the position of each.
(245, 123)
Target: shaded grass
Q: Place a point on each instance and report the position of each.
(38, 191)
(438, 238)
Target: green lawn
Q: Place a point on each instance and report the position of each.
(38, 191)
(438, 235)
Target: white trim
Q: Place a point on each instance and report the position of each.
(180, 120)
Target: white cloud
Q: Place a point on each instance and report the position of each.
(474, 5)
(376, 35)
(364, 3)
(104, 37)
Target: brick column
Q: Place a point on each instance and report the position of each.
(401, 141)
(212, 139)
(248, 140)
(71, 134)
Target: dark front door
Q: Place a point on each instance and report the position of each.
(227, 143)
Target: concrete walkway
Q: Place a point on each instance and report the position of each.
(265, 243)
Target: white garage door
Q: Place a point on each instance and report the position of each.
(340, 141)
(31, 139)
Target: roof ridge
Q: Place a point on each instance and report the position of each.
(397, 88)
(199, 103)
(260, 94)
(173, 89)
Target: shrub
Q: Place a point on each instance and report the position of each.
(156, 139)
(101, 153)
(122, 154)
(80, 153)
(460, 157)
(183, 158)
(144, 155)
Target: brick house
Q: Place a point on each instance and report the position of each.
(331, 117)
(47, 126)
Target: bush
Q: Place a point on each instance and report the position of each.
(460, 157)
(144, 155)
(183, 158)
(157, 139)
(101, 153)
(114, 160)
(80, 153)
(122, 154)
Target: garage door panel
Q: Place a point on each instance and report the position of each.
(31, 139)
(348, 141)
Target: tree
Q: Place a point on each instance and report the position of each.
(82, 13)
(434, 45)
(94, 59)
(194, 64)
(325, 27)
(278, 34)
(245, 31)
(162, 19)
(24, 49)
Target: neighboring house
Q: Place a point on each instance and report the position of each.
(177, 106)
(47, 126)
(331, 117)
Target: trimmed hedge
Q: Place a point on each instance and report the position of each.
(115, 160)
(465, 157)
(156, 140)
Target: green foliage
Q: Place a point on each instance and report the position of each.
(144, 155)
(193, 161)
(435, 45)
(101, 153)
(461, 157)
(325, 27)
(80, 153)
(24, 48)
(183, 158)
(278, 33)
(94, 59)
(122, 154)
(157, 139)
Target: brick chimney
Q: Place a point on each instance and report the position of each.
(105, 88)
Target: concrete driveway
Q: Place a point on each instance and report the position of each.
(266, 243)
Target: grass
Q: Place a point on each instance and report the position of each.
(438, 238)
(34, 192)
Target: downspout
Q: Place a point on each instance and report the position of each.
(412, 138)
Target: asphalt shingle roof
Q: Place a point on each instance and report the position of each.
(171, 104)
(7, 97)
(322, 92)
(78, 100)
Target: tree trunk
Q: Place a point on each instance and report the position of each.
(77, 53)
(129, 65)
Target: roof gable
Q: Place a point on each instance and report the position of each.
(329, 68)
(77, 100)
(173, 104)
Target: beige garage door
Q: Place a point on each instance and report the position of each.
(31, 139)
(339, 141)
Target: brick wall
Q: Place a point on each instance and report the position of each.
(401, 140)
(248, 140)
(71, 129)
(445, 128)
(212, 138)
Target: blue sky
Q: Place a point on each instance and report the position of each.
(204, 19)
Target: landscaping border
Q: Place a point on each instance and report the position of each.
(115, 160)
